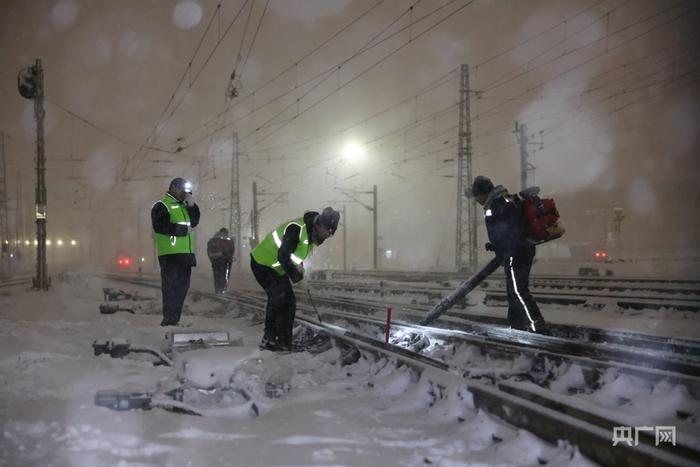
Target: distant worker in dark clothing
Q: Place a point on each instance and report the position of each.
(277, 261)
(174, 217)
(508, 238)
(220, 249)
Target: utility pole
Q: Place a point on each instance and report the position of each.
(344, 223)
(373, 209)
(255, 213)
(19, 223)
(466, 208)
(618, 217)
(30, 84)
(19, 239)
(138, 239)
(525, 165)
(374, 227)
(235, 202)
(4, 227)
(254, 239)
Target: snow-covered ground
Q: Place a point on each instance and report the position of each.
(366, 413)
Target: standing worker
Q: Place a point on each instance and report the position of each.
(508, 238)
(174, 217)
(277, 261)
(220, 249)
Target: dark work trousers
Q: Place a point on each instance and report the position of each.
(221, 268)
(523, 312)
(175, 272)
(281, 306)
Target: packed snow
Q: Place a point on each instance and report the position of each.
(310, 409)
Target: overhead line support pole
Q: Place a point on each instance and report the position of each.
(373, 208)
(234, 223)
(466, 255)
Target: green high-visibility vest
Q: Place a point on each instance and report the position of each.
(170, 244)
(266, 251)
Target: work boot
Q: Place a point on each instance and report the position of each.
(274, 345)
(540, 327)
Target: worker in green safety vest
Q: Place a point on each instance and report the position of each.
(277, 262)
(174, 217)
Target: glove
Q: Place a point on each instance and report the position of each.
(489, 246)
(297, 275)
(190, 229)
(188, 200)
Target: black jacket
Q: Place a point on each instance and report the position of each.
(220, 248)
(505, 223)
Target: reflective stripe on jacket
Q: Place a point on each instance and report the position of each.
(266, 252)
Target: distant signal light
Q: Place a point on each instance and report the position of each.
(600, 255)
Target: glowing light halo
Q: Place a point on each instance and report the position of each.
(353, 151)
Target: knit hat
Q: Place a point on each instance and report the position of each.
(481, 186)
(328, 219)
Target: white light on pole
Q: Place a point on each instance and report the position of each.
(353, 151)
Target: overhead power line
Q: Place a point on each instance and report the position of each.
(290, 67)
(252, 42)
(365, 71)
(324, 75)
(163, 120)
(498, 82)
(492, 110)
(539, 34)
(440, 81)
(182, 77)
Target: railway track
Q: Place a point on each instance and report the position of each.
(671, 348)
(523, 395)
(565, 292)
(541, 412)
(692, 285)
(13, 281)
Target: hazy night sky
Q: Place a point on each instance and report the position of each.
(612, 86)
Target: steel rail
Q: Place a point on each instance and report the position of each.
(545, 416)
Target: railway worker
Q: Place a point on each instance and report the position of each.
(507, 230)
(220, 250)
(277, 262)
(174, 217)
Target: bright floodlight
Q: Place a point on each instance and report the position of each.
(73, 242)
(353, 151)
(59, 242)
(48, 242)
